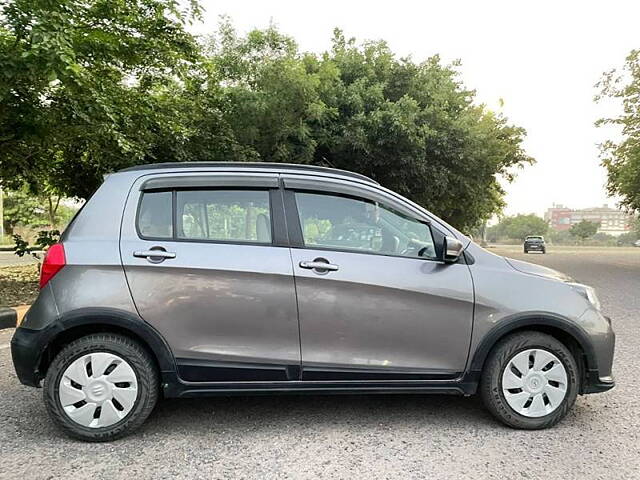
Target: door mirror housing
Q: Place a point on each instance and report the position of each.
(452, 249)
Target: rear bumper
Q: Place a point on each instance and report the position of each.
(27, 347)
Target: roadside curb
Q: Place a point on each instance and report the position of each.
(10, 317)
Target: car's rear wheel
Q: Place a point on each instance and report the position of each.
(101, 387)
(530, 381)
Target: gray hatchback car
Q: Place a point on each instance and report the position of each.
(179, 280)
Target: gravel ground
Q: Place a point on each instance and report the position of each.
(18, 285)
(401, 436)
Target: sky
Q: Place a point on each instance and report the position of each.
(541, 58)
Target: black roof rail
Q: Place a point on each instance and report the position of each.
(264, 165)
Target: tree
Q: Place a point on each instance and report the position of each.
(24, 208)
(584, 229)
(518, 227)
(622, 158)
(561, 237)
(82, 86)
(627, 238)
(411, 126)
(20, 208)
(414, 128)
(93, 86)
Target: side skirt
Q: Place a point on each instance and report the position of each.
(174, 387)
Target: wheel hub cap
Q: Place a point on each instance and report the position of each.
(534, 382)
(98, 390)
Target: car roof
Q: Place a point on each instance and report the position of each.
(252, 166)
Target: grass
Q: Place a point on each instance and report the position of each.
(18, 285)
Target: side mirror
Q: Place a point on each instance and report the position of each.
(452, 249)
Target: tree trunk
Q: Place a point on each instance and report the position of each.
(53, 210)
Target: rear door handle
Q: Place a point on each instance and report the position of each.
(319, 265)
(154, 256)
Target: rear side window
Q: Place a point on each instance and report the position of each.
(155, 216)
(206, 215)
(224, 215)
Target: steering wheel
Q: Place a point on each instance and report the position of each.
(427, 251)
(411, 250)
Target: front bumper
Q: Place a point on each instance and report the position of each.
(595, 384)
(598, 377)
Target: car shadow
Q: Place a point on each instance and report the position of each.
(203, 415)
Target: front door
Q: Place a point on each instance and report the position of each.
(205, 268)
(374, 302)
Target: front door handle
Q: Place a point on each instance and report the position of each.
(322, 266)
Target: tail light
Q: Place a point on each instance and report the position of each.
(53, 262)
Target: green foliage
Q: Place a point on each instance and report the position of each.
(81, 85)
(22, 247)
(628, 238)
(622, 158)
(518, 227)
(584, 229)
(604, 239)
(90, 87)
(45, 239)
(23, 208)
(412, 127)
(562, 237)
(631, 237)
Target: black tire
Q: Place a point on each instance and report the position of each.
(526, 251)
(134, 354)
(491, 379)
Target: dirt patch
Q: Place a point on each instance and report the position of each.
(18, 285)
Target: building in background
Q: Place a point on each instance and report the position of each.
(612, 221)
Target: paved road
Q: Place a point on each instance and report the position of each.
(356, 436)
(10, 258)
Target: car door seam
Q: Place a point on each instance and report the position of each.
(293, 271)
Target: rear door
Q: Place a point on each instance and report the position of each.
(374, 302)
(208, 266)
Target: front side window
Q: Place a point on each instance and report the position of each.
(224, 215)
(346, 223)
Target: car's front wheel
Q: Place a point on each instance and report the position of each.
(101, 387)
(530, 380)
